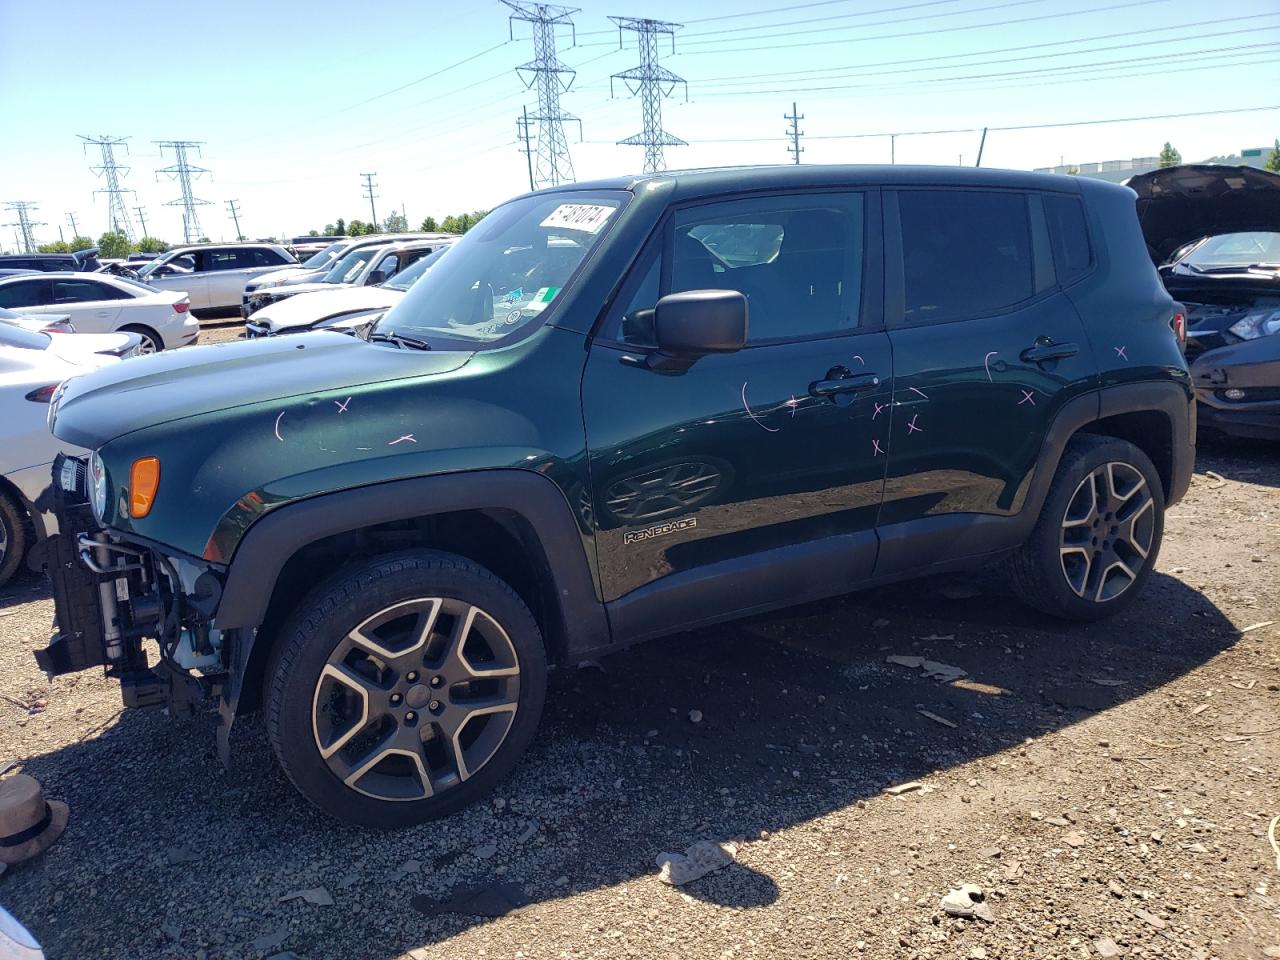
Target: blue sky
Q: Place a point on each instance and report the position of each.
(294, 100)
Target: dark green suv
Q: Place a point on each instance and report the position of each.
(613, 411)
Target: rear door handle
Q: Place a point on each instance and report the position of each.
(1045, 350)
(854, 384)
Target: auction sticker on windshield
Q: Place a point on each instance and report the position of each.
(587, 217)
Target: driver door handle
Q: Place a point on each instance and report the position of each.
(1046, 350)
(854, 384)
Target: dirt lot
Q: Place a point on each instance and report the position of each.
(1108, 787)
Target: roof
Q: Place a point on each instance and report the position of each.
(731, 179)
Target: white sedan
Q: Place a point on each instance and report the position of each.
(32, 364)
(101, 303)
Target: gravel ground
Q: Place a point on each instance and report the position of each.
(1109, 787)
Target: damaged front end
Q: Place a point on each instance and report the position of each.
(144, 615)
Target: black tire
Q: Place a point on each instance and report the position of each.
(13, 537)
(1046, 570)
(148, 336)
(301, 691)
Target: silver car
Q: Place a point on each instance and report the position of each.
(214, 275)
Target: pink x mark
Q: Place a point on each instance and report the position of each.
(342, 407)
(879, 407)
(1028, 396)
(911, 426)
(1120, 352)
(875, 448)
(407, 436)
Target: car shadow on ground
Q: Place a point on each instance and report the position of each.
(1248, 461)
(799, 715)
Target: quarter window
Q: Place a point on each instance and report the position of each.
(965, 253)
(1069, 236)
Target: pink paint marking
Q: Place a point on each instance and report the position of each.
(1120, 352)
(859, 359)
(1028, 396)
(342, 407)
(278, 437)
(407, 436)
(793, 403)
(912, 428)
(986, 363)
(879, 407)
(921, 392)
(752, 415)
(875, 448)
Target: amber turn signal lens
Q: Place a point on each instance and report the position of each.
(144, 480)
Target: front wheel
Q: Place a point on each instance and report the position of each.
(1098, 535)
(405, 688)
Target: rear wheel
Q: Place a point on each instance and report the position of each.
(13, 537)
(1098, 535)
(405, 688)
(151, 342)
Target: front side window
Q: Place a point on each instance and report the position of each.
(409, 275)
(505, 272)
(965, 253)
(797, 259)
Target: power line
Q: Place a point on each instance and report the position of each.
(235, 216)
(24, 223)
(110, 171)
(551, 78)
(182, 171)
(795, 133)
(652, 82)
(368, 192)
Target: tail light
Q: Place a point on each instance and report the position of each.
(182, 306)
(61, 326)
(42, 394)
(1179, 324)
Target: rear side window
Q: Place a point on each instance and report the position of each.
(965, 253)
(1069, 237)
(25, 293)
(84, 291)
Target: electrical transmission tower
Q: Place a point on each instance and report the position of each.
(235, 215)
(24, 223)
(368, 192)
(551, 78)
(795, 133)
(111, 172)
(652, 83)
(184, 172)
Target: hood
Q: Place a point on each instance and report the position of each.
(176, 384)
(1179, 204)
(306, 309)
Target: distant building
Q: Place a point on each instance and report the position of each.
(1117, 171)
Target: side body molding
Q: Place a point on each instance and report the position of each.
(270, 542)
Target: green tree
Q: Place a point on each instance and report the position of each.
(450, 224)
(152, 245)
(340, 228)
(80, 243)
(58, 246)
(356, 228)
(113, 245)
(1272, 162)
(429, 225)
(1169, 157)
(396, 223)
(313, 233)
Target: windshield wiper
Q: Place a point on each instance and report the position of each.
(399, 339)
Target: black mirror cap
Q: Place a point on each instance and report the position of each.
(698, 322)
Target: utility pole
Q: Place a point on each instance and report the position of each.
(893, 148)
(74, 231)
(981, 143)
(651, 82)
(184, 172)
(25, 225)
(235, 216)
(551, 77)
(368, 192)
(795, 133)
(522, 132)
(111, 172)
(142, 218)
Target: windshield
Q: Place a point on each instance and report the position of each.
(325, 256)
(499, 278)
(1235, 250)
(409, 275)
(348, 268)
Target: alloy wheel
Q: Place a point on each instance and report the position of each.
(147, 346)
(4, 541)
(1107, 532)
(416, 698)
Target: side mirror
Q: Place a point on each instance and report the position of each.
(696, 323)
(376, 277)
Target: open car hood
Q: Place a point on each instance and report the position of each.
(1179, 204)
